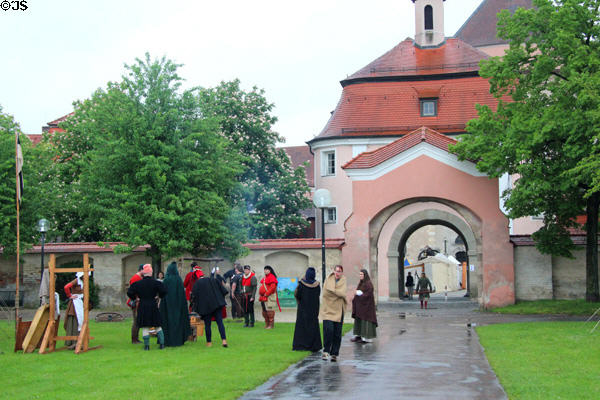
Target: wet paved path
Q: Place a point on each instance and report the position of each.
(422, 354)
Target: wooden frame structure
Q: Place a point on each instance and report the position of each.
(50, 337)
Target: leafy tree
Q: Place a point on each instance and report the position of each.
(271, 189)
(546, 127)
(146, 169)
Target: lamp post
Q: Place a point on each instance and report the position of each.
(43, 228)
(321, 199)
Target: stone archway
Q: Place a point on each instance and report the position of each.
(391, 228)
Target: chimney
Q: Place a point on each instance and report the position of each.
(429, 23)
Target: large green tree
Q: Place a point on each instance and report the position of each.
(143, 167)
(546, 127)
(270, 188)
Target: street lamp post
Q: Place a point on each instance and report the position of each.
(43, 228)
(321, 199)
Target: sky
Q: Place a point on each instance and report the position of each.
(58, 51)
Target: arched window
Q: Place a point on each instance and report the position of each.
(428, 17)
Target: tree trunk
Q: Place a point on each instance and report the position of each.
(591, 249)
(156, 260)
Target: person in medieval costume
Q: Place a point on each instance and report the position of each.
(363, 310)
(174, 309)
(133, 304)
(74, 314)
(148, 316)
(249, 284)
(208, 300)
(268, 297)
(332, 312)
(306, 332)
(410, 285)
(190, 279)
(424, 288)
(236, 293)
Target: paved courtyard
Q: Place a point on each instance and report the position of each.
(419, 354)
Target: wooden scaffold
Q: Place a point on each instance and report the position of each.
(50, 337)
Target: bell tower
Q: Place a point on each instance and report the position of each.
(429, 22)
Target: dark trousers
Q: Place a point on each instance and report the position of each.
(332, 336)
(236, 306)
(248, 310)
(218, 319)
(135, 330)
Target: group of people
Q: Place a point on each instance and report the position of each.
(163, 307)
(331, 311)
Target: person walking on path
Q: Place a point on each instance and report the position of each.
(424, 288)
(148, 315)
(410, 285)
(133, 304)
(332, 312)
(174, 309)
(363, 310)
(249, 284)
(306, 331)
(268, 296)
(208, 300)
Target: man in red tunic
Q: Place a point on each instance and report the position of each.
(135, 330)
(191, 278)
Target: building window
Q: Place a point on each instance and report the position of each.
(328, 163)
(330, 215)
(428, 17)
(428, 107)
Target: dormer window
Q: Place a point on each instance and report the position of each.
(428, 107)
(428, 18)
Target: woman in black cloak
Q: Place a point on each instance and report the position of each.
(174, 310)
(307, 335)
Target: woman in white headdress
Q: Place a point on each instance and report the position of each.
(74, 315)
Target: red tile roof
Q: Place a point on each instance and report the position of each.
(373, 158)
(298, 156)
(454, 56)
(35, 138)
(282, 244)
(480, 28)
(393, 108)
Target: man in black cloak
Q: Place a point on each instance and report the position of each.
(307, 335)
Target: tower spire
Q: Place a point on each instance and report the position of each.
(429, 22)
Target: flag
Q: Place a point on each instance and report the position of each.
(19, 169)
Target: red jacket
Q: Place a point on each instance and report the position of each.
(189, 281)
(134, 279)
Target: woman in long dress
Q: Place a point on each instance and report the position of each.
(363, 310)
(174, 310)
(306, 332)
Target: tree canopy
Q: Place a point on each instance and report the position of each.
(546, 128)
(271, 188)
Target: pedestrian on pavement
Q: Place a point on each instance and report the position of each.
(306, 331)
(269, 301)
(148, 315)
(332, 312)
(410, 285)
(174, 309)
(208, 300)
(424, 288)
(249, 284)
(363, 310)
(236, 293)
(133, 304)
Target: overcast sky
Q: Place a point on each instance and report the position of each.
(59, 51)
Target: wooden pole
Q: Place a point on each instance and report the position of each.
(17, 192)
(48, 341)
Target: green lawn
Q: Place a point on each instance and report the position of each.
(544, 360)
(121, 370)
(570, 307)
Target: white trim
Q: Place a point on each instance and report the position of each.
(328, 143)
(422, 149)
(324, 161)
(327, 221)
(358, 148)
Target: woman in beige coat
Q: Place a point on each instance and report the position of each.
(333, 307)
